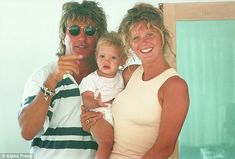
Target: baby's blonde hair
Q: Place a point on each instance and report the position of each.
(112, 38)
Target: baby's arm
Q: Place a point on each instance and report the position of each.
(128, 71)
(90, 101)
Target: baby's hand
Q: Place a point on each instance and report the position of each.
(102, 104)
(99, 101)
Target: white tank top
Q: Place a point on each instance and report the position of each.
(137, 112)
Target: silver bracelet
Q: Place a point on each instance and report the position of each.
(47, 92)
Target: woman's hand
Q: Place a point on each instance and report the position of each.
(89, 118)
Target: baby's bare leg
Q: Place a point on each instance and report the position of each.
(102, 131)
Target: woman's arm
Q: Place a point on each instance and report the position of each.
(89, 118)
(174, 98)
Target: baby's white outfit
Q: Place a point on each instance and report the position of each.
(109, 88)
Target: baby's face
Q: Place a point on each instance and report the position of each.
(109, 59)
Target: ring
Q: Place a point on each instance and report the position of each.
(87, 121)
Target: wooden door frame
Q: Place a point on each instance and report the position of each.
(173, 12)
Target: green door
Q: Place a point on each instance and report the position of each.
(206, 60)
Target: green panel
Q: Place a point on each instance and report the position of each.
(206, 60)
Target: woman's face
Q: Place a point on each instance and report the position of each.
(80, 42)
(146, 42)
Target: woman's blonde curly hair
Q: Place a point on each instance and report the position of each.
(152, 16)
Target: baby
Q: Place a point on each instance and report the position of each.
(99, 89)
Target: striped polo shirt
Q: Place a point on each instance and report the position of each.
(62, 135)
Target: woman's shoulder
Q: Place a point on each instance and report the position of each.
(175, 83)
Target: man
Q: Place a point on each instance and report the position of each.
(50, 112)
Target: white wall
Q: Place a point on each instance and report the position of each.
(29, 39)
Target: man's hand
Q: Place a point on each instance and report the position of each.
(68, 64)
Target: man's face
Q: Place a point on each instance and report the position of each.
(80, 38)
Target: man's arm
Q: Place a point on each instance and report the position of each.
(32, 118)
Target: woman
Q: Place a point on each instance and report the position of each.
(149, 113)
